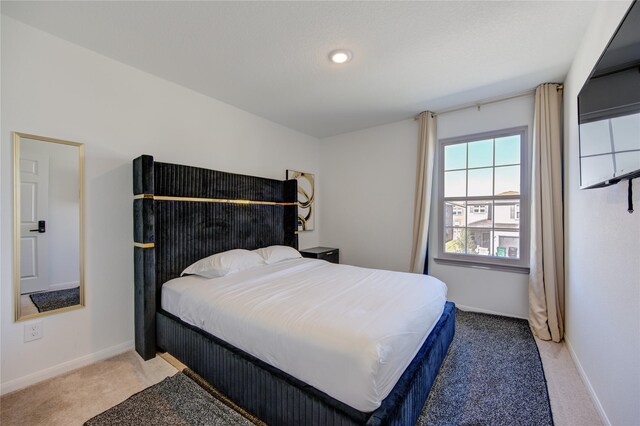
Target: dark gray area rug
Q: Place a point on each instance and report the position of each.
(492, 375)
(177, 400)
(50, 300)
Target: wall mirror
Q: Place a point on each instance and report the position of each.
(48, 225)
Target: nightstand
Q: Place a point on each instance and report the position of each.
(324, 253)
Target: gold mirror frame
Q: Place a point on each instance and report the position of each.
(17, 137)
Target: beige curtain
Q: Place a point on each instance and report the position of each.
(546, 278)
(424, 179)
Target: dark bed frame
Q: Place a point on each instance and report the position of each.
(182, 214)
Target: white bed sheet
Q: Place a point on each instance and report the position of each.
(349, 332)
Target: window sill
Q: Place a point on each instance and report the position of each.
(483, 265)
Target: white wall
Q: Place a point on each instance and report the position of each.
(602, 257)
(368, 192)
(367, 210)
(57, 89)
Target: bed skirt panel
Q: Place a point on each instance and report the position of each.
(280, 399)
(404, 403)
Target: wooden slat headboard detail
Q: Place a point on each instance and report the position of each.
(184, 213)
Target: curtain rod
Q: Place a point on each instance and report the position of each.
(481, 103)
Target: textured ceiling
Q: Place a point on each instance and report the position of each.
(270, 58)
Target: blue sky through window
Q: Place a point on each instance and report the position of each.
(479, 181)
(481, 153)
(455, 157)
(508, 150)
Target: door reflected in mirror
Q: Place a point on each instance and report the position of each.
(48, 225)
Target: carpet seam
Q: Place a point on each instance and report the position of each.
(544, 376)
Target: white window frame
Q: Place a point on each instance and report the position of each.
(521, 264)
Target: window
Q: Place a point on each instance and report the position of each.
(483, 182)
(479, 208)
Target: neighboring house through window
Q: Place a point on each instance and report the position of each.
(483, 184)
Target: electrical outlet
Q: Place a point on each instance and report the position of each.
(33, 331)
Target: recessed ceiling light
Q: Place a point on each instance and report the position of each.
(340, 56)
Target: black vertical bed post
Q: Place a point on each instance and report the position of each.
(144, 257)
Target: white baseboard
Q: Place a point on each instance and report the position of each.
(486, 311)
(56, 370)
(64, 286)
(587, 384)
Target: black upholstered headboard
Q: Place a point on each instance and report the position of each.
(183, 213)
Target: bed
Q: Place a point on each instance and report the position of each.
(183, 214)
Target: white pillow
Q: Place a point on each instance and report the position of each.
(225, 263)
(273, 254)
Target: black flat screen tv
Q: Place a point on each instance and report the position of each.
(609, 110)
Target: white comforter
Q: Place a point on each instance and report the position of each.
(349, 332)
